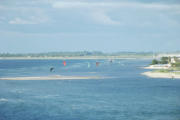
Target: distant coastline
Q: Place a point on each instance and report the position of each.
(76, 57)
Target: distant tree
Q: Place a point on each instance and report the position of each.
(164, 60)
(154, 62)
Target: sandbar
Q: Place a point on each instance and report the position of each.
(156, 67)
(55, 77)
(161, 75)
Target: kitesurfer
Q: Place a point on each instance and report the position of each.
(89, 65)
(51, 69)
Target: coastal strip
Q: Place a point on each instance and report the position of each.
(75, 58)
(55, 77)
(161, 75)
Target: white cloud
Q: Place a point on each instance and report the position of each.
(21, 21)
(31, 20)
(112, 7)
(102, 18)
(63, 4)
(23, 14)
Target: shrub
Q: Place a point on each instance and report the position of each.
(176, 64)
(154, 62)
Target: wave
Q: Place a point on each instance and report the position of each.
(46, 96)
(3, 100)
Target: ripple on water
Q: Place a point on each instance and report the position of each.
(3, 100)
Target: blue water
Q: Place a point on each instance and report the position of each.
(127, 95)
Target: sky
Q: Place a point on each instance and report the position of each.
(33, 26)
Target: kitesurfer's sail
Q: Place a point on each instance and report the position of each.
(64, 63)
(89, 65)
(97, 64)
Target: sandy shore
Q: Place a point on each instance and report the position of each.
(161, 75)
(55, 77)
(156, 67)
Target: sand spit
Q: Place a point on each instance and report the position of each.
(164, 66)
(161, 75)
(55, 77)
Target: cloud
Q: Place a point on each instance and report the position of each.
(23, 14)
(31, 20)
(21, 21)
(102, 18)
(94, 10)
(63, 4)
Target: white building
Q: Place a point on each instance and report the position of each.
(173, 60)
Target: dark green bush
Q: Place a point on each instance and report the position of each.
(154, 62)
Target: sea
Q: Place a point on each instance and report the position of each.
(121, 94)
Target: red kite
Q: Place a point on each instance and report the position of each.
(64, 63)
(97, 64)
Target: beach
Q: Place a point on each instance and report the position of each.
(161, 75)
(156, 67)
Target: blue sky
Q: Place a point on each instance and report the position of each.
(28, 26)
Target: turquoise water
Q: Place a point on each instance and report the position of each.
(125, 96)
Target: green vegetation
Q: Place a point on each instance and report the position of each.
(162, 70)
(154, 62)
(164, 60)
(177, 64)
(175, 68)
(177, 73)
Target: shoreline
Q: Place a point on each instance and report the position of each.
(156, 67)
(161, 75)
(55, 77)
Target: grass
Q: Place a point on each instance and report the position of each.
(170, 70)
(162, 70)
(176, 64)
(176, 68)
(177, 73)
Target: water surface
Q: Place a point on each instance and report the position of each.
(126, 96)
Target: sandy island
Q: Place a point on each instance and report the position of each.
(55, 77)
(161, 75)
